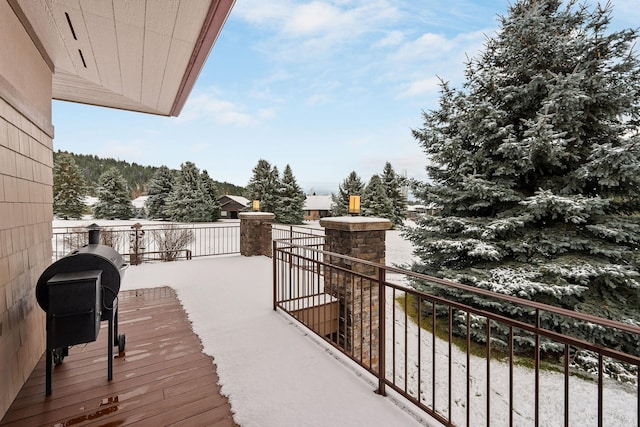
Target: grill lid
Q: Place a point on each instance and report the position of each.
(89, 257)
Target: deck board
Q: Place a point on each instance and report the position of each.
(162, 379)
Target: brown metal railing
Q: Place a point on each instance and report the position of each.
(155, 242)
(445, 374)
(283, 231)
(146, 243)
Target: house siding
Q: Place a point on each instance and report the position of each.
(26, 179)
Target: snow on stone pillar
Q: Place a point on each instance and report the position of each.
(255, 233)
(362, 238)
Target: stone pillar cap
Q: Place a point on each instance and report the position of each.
(356, 223)
(256, 215)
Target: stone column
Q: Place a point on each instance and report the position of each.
(363, 238)
(255, 233)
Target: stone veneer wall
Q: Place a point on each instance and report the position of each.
(362, 238)
(26, 161)
(255, 233)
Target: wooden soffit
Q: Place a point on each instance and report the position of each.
(139, 55)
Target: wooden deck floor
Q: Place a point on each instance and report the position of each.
(162, 379)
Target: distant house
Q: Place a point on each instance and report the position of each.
(316, 207)
(90, 201)
(414, 211)
(139, 204)
(230, 206)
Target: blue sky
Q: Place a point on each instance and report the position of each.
(328, 87)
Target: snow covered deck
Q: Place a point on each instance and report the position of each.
(162, 378)
(274, 371)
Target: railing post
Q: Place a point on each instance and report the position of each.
(256, 233)
(382, 279)
(362, 238)
(275, 274)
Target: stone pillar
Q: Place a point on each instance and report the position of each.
(363, 238)
(255, 233)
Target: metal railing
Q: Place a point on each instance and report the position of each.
(162, 242)
(282, 231)
(373, 318)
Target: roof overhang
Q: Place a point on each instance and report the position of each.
(139, 55)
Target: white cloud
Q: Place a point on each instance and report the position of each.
(393, 38)
(267, 113)
(260, 11)
(209, 106)
(313, 18)
(422, 87)
(419, 64)
(303, 31)
(317, 99)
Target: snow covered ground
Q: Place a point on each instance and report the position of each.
(277, 374)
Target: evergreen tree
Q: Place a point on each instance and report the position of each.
(375, 201)
(393, 187)
(160, 187)
(211, 190)
(264, 185)
(188, 200)
(351, 186)
(68, 188)
(114, 200)
(291, 200)
(535, 165)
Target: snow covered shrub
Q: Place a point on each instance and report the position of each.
(170, 239)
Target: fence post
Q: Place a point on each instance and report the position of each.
(382, 278)
(274, 257)
(256, 233)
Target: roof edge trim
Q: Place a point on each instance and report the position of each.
(217, 15)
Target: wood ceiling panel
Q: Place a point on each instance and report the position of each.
(69, 88)
(84, 64)
(138, 54)
(130, 45)
(99, 8)
(104, 44)
(129, 18)
(130, 12)
(156, 49)
(161, 16)
(179, 55)
(190, 19)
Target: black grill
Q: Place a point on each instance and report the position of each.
(77, 292)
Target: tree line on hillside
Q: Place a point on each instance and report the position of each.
(189, 195)
(136, 176)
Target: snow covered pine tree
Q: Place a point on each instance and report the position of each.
(114, 199)
(68, 188)
(290, 206)
(351, 186)
(536, 169)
